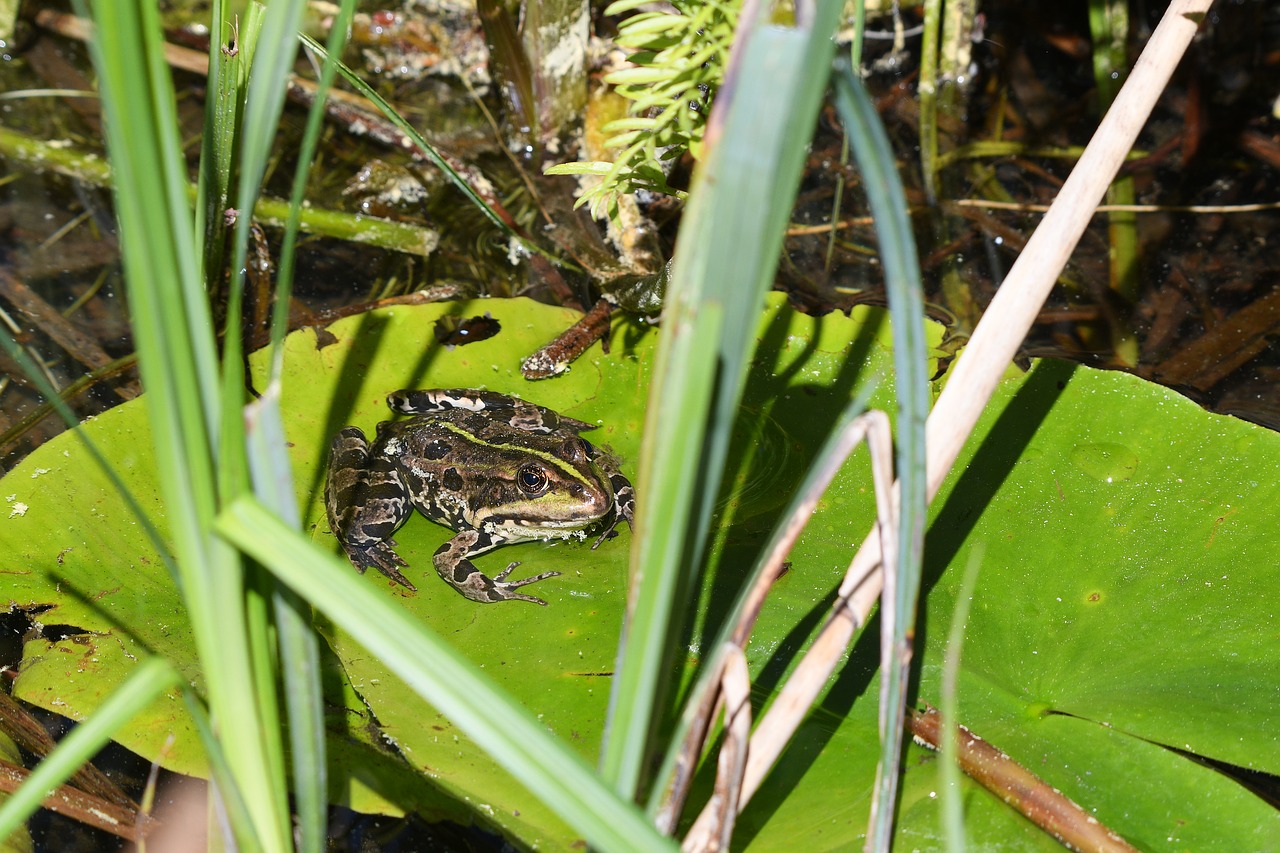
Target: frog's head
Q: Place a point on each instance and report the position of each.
(552, 491)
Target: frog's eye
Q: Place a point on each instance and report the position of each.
(532, 480)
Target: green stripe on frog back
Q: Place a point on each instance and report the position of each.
(549, 458)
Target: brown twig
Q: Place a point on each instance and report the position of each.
(1029, 207)
(79, 344)
(94, 800)
(18, 724)
(716, 833)
(554, 358)
(440, 293)
(1017, 786)
(87, 809)
(1231, 342)
(67, 394)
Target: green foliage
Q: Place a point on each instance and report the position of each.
(1138, 628)
(888, 203)
(676, 68)
(1147, 530)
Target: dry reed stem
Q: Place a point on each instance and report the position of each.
(978, 370)
(874, 427)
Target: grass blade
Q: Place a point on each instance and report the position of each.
(174, 336)
(724, 263)
(433, 669)
(273, 483)
(888, 204)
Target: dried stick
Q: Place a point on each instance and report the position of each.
(1042, 804)
(79, 344)
(978, 370)
(874, 428)
(93, 811)
(716, 832)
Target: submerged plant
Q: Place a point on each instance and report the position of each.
(673, 74)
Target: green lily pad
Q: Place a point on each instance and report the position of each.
(1122, 631)
(1119, 634)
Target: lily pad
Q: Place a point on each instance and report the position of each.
(1122, 633)
(1119, 634)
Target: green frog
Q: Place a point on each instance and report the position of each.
(493, 468)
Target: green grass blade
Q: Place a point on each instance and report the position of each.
(433, 669)
(1109, 30)
(272, 614)
(927, 90)
(174, 338)
(667, 453)
(298, 643)
(888, 204)
(239, 825)
(144, 685)
(951, 817)
(213, 186)
(306, 156)
(823, 468)
(270, 39)
(724, 263)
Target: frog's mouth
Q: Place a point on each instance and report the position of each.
(534, 524)
(524, 528)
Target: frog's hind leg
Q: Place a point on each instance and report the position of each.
(366, 502)
(521, 414)
(452, 563)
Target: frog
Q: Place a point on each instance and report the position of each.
(491, 467)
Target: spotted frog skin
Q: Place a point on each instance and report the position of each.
(495, 469)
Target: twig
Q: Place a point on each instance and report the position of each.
(67, 393)
(1043, 805)
(85, 808)
(94, 800)
(1029, 207)
(555, 358)
(78, 344)
(716, 833)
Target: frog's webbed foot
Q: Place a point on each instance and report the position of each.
(379, 556)
(503, 590)
(452, 563)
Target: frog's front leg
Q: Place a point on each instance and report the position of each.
(624, 501)
(453, 564)
(366, 501)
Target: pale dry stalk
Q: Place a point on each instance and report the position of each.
(978, 370)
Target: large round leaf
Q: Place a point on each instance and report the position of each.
(1120, 631)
